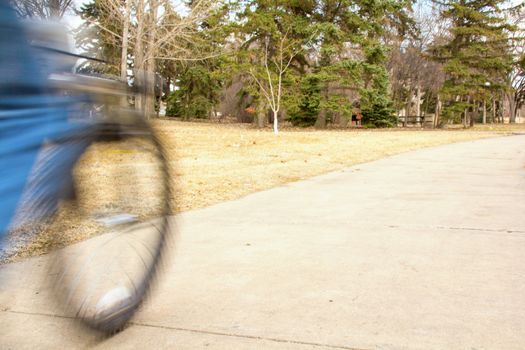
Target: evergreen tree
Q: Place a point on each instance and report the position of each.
(199, 83)
(273, 36)
(350, 60)
(381, 18)
(97, 42)
(198, 90)
(477, 58)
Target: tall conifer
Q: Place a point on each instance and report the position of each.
(477, 58)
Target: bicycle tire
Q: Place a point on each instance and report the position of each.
(91, 281)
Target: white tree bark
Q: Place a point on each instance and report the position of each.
(139, 54)
(149, 97)
(124, 51)
(270, 84)
(125, 37)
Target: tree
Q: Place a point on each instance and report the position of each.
(476, 58)
(199, 86)
(100, 36)
(44, 9)
(348, 61)
(271, 34)
(308, 104)
(156, 30)
(515, 91)
(340, 58)
(416, 79)
(270, 73)
(518, 85)
(381, 19)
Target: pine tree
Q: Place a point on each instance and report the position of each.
(97, 42)
(340, 54)
(477, 58)
(350, 60)
(381, 19)
(273, 35)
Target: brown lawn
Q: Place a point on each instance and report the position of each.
(219, 162)
(214, 162)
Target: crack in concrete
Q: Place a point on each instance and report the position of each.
(199, 331)
(36, 314)
(473, 230)
(501, 230)
(278, 340)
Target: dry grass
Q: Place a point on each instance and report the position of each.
(212, 163)
(218, 162)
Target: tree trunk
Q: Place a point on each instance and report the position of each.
(418, 101)
(427, 100)
(512, 115)
(159, 101)
(149, 97)
(438, 110)
(494, 115)
(465, 113)
(139, 56)
(261, 116)
(408, 106)
(276, 122)
(499, 109)
(473, 115)
(320, 122)
(149, 104)
(124, 52)
(484, 111)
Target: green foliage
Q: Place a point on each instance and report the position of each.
(340, 53)
(96, 42)
(305, 113)
(199, 83)
(377, 109)
(173, 105)
(359, 25)
(376, 105)
(199, 88)
(179, 106)
(477, 59)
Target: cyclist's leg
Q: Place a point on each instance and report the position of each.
(28, 113)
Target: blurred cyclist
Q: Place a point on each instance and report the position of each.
(30, 113)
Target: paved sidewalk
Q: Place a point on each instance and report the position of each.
(423, 250)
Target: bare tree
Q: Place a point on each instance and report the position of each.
(154, 30)
(515, 92)
(125, 41)
(270, 79)
(415, 78)
(45, 9)
(166, 32)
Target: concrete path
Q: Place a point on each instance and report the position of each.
(424, 250)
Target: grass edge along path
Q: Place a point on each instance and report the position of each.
(213, 163)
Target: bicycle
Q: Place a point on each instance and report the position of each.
(105, 186)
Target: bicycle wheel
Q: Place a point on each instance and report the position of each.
(119, 214)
